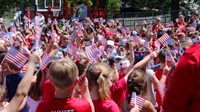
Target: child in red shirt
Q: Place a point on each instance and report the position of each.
(99, 76)
(64, 77)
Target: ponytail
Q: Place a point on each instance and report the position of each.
(103, 90)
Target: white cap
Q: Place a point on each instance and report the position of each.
(142, 40)
(111, 43)
(134, 33)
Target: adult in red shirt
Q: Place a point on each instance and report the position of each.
(180, 24)
(157, 26)
(183, 92)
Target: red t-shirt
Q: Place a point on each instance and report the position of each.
(157, 27)
(121, 75)
(48, 90)
(65, 105)
(183, 93)
(158, 96)
(118, 91)
(105, 106)
(181, 26)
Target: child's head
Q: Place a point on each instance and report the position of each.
(100, 75)
(161, 56)
(121, 51)
(137, 82)
(2, 93)
(63, 73)
(11, 67)
(81, 61)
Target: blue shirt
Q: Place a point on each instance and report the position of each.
(63, 49)
(12, 82)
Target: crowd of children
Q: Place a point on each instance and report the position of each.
(99, 66)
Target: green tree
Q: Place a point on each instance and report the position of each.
(147, 4)
(6, 5)
(113, 6)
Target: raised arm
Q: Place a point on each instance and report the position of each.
(83, 85)
(140, 64)
(24, 86)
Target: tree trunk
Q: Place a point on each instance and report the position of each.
(174, 9)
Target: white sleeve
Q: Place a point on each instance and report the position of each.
(150, 73)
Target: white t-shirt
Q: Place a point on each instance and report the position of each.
(32, 104)
(150, 73)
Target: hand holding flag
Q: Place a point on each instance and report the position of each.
(16, 58)
(164, 39)
(137, 101)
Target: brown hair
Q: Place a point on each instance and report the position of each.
(2, 93)
(12, 66)
(63, 73)
(97, 74)
(137, 82)
(35, 91)
(82, 62)
(161, 56)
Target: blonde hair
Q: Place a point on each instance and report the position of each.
(2, 93)
(63, 73)
(97, 74)
(83, 62)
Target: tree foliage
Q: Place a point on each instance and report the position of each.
(6, 5)
(113, 6)
(146, 4)
(190, 6)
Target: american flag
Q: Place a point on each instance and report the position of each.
(102, 39)
(96, 20)
(128, 31)
(13, 29)
(45, 61)
(181, 51)
(155, 67)
(79, 32)
(146, 44)
(136, 39)
(144, 22)
(3, 35)
(124, 30)
(163, 39)
(38, 31)
(89, 22)
(182, 28)
(25, 51)
(102, 20)
(169, 57)
(92, 53)
(24, 68)
(169, 24)
(136, 100)
(71, 48)
(1, 69)
(16, 58)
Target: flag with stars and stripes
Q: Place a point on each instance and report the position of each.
(164, 39)
(92, 53)
(45, 61)
(16, 58)
(71, 47)
(136, 100)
